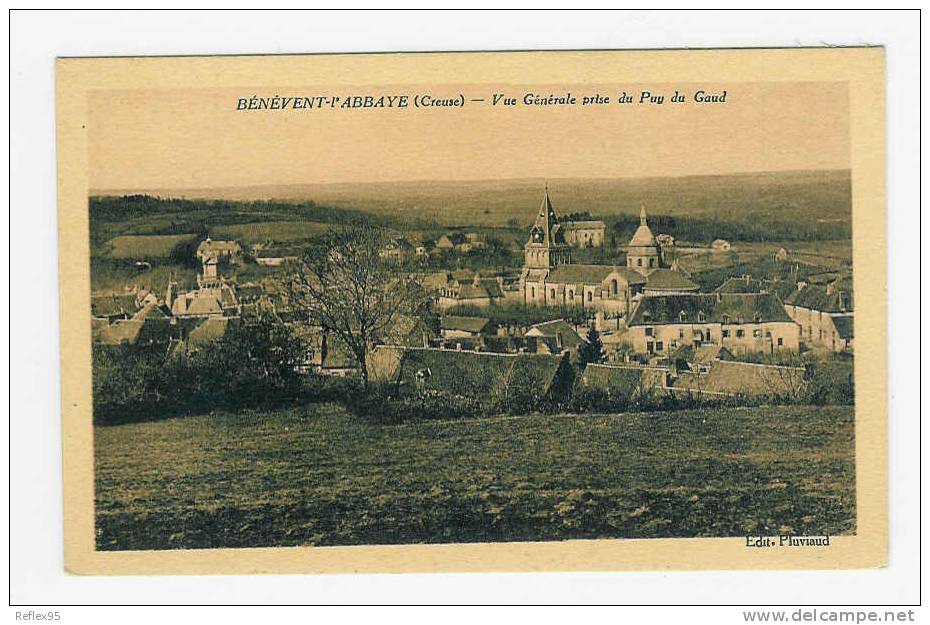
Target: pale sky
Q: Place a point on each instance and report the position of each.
(197, 139)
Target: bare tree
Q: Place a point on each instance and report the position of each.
(354, 293)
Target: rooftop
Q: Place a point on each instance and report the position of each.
(709, 308)
(591, 274)
(464, 324)
(822, 298)
(669, 280)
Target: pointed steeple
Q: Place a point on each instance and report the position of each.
(546, 246)
(546, 219)
(642, 214)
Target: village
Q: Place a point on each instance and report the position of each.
(643, 325)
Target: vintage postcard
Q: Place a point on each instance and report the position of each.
(512, 311)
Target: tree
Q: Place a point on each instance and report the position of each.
(593, 350)
(354, 293)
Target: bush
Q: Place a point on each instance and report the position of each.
(254, 364)
(832, 382)
(383, 406)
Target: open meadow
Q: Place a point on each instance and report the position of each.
(317, 475)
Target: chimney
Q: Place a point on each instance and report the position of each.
(558, 340)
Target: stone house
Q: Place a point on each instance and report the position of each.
(582, 230)
(742, 322)
(824, 313)
(481, 292)
(228, 252)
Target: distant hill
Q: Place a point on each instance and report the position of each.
(795, 196)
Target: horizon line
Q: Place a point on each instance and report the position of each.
(124, 191)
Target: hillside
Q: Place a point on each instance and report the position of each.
(317, 476)
(809, 196)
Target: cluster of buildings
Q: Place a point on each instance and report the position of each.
(659, 330)
(182, 319)
(648, 306)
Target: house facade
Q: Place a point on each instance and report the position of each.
(741, 322)
(824, 314)
(229, 252)
(583, 231)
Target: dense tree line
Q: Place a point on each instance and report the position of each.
(750, 226)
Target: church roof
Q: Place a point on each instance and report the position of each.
(643, 236)
(668, 280)
(591, 274)
(547, 223)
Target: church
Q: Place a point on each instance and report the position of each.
(549, 278)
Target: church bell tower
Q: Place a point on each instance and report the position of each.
(546, 246)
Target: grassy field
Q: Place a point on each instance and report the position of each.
(318, 476)
(145, 246)
(259, 232)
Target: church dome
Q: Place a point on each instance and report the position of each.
(643, 236)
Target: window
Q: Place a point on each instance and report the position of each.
(681, 316)
(768, 334)
(740, 334)
(649, 331)
(681, 334)
(614, 287)
(757, 333)
(639, 262)
(589, 296)
(702, 317)
(552, 293)
(725, 334)
(652, 262)
(571, 294)
(726, 319)
(533, 292)
(659, 346)
(780, 341)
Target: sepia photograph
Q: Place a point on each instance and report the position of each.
(448, 313)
